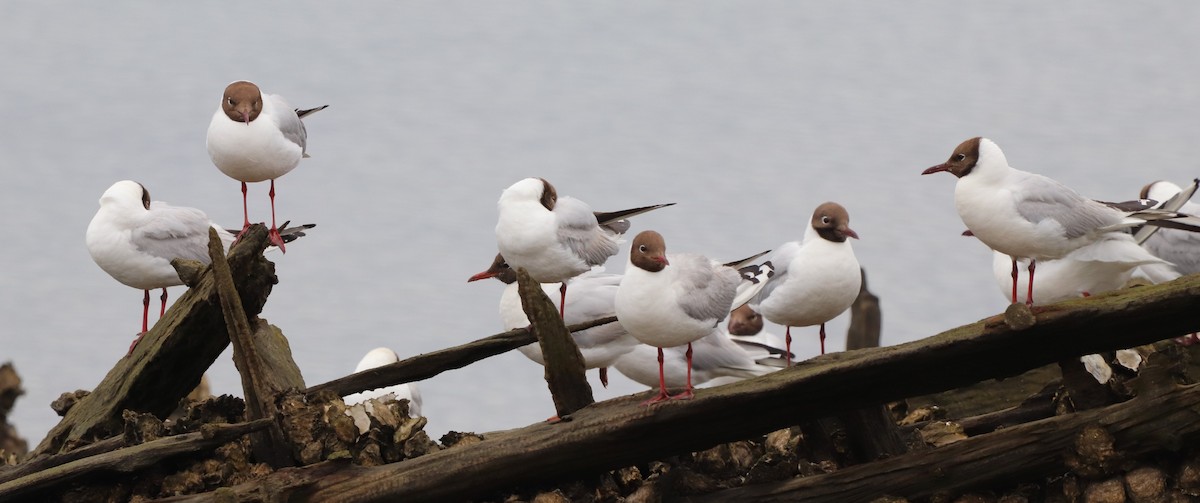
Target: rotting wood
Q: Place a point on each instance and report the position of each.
(866, 319)
(619, 432)
(8, 473)
(169, 360)
(424, 366)
(1165, 417)
(564, 363)
(129, 459)
(259, 378)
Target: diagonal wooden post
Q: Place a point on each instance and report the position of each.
(564, 363)
(258, 381)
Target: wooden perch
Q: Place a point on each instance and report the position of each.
(619, 432)
(127, 460)
(1164, 418)
(428, 365)
(171, 357)
(265, 374)
(564, 363)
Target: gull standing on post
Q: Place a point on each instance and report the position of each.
(255, 137)
(1029, 216)
(672, 300)
(553, 238)
(815, 280)
(134, 239)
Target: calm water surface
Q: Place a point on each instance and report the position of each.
(747, 114)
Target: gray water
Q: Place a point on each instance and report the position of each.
(747, 114)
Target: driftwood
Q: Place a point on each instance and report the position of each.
(424, 366)
(564, 364)
(1160, 418)
(866, 319)
(126, 460)
(620, 432)
(265, 374)
(172, 356)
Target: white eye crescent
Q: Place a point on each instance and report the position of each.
(642, 248)
(825, 220)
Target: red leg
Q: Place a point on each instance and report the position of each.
(145, 310)
(687, 392)
(1029, 294)
(822, 338)
(1014, 277)
(163, 310)
(662, 383)
(562, 300)
(604, 376)
(787, 340)
(273, 235)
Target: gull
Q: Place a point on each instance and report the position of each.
(134, 239)
(379, 357)
(556, 238)
(255, 137)
(815, 280)
(1029, 216)
(592, 298)
(673, 300)
(1175, 246)
(718, 359)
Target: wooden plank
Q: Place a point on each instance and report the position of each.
(171, 357)
(564, 363)
(620, 432)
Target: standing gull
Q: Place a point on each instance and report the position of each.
(672, 300)
(815, 280)
(255, 137)
(556, 238)
(134, 239)
(1029, 216)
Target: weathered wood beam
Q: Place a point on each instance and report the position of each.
(619, 432)
(424, 366)
(171, 357)
(129, 459)
(1159, 419)
(266, 367)
(564, 363)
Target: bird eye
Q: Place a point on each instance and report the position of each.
(642, 248)
(230, 101)
(825, 220)
(960, 157)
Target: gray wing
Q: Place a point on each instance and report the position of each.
(173, 232)
(1178, 202)
(1181, 248)
(1038, 198)
(579, 231)
(778, 262)
(706, 288)
(289, 123)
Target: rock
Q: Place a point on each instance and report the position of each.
(1146, 484)
(974, 498)
(1188, 477)
(1094, 455)
(922, 414)
(1108, 491)
(782, 441)
(554, 496)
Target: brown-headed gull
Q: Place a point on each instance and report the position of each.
(556, 238)
(1030, 216)
(673, 300)
(816, 279)
(134, 239)
(254, 137)
(592, 297)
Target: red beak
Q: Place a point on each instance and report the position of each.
(482, 275)
(935, 169)
(849, 232)
(662, 260)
